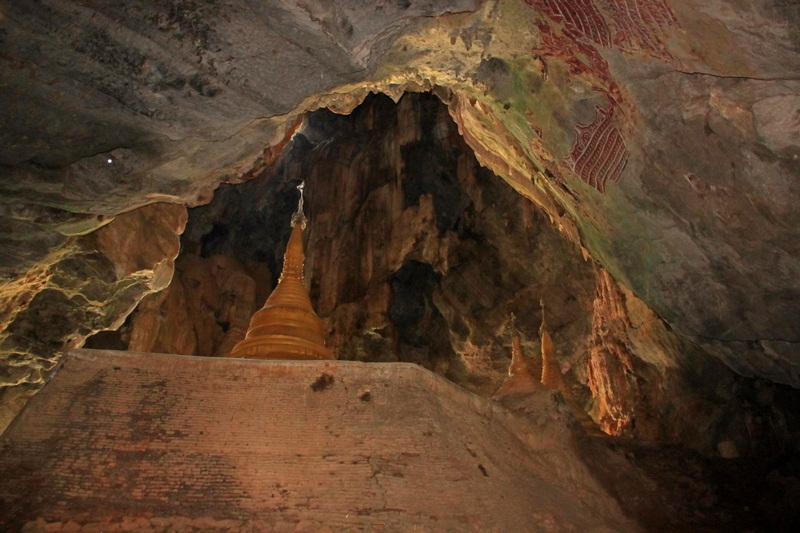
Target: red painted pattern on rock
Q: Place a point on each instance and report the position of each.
(639, 23)
(599, 152)
(636, 25)
(581, 19)
(580, 58)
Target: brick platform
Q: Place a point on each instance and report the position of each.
(144, 442)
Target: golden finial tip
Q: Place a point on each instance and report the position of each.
(299, 216)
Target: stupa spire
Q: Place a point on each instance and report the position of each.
(553, 379)
(518, 364)
(287, 326)
(520, 379)
(299, 217)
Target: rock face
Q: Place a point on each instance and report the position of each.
(658, 135)
(90, 285)
(186, 83)
(413, 251)
(652, 384)
(205, 311)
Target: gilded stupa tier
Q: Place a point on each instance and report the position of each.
(287, 326)
(520, 379)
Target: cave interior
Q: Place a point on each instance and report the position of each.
(625, 169)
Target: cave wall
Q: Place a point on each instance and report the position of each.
(661, 139)
(90, 285)
(205, 311)
(409, 237)
(697, 223)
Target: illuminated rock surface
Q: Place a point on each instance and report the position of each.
(93, 283)
(417, 254)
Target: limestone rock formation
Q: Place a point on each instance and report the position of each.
(204, 311)
(238, 300)
(409, 238)
(436, 285)
(651, 384)
(92, 284)
(522, 375)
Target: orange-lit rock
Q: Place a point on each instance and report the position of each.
(612, 366)
(146, 321)
(202, 297)
(206, 309)
(520, 378)
(237, 300)
(553, 379)
(176, 334)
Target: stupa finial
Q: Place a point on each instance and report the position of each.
(543, 327)
(299, 216)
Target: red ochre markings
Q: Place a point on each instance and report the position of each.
(638, 23)
(634, 24)
(579, 17)
(599, 152)
(568, 50)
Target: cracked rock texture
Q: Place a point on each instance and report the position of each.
(663, 140)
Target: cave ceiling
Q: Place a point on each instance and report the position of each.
(660, 136)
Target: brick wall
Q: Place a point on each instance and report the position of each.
(164, 443)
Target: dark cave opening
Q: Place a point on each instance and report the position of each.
(420, 325)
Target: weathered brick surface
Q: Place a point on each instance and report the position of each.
(164, 443)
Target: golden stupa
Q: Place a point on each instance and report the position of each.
(553, 379)
(520, 378)
(287, 326)
(518, 364)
